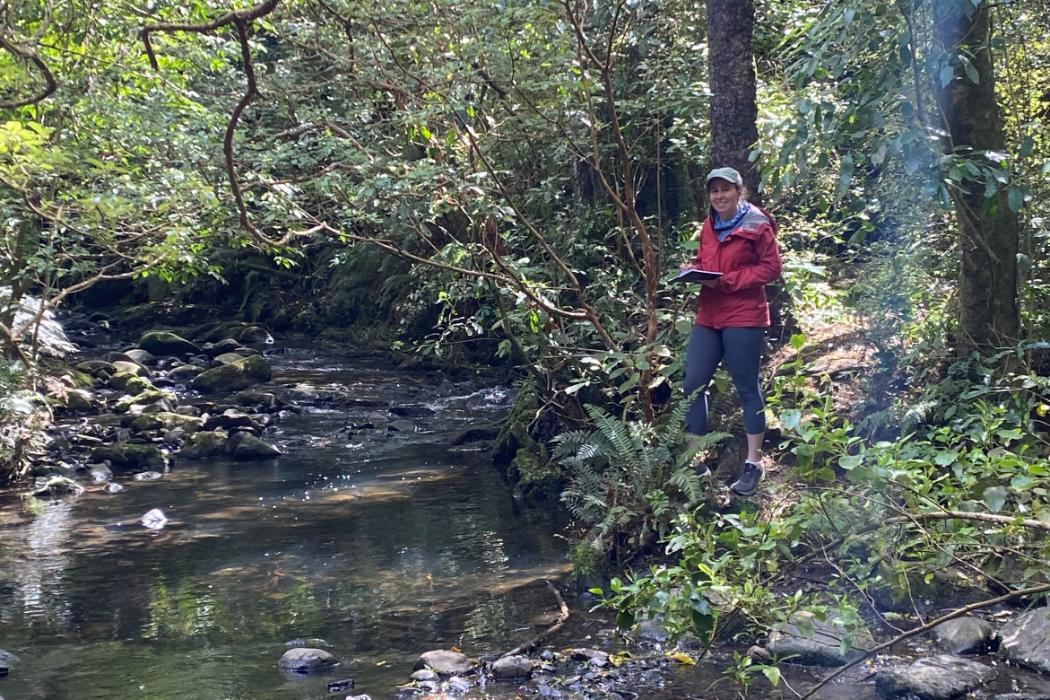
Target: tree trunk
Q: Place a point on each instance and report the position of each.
(988, 230)
(731, 74)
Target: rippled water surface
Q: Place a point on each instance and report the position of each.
(381, 544)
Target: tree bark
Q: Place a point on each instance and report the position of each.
(731, 74)
(989, 317)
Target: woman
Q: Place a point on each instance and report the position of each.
(738, 239)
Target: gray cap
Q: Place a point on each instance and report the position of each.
(727, 174)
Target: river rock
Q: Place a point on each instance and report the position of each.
(164, 343)
(165, 420)
(935, 678)
(445, 662)
(99, 473)
(231, 418)
(512, 668)
(205, 444)
(148, 476)
(129, 455)
(402, 425)
(246, 446)
(1025, 640)
(424, 674)
(183, 373)
(130, 367)
(143, 357)
(219, 347)
(263, 400)
(363, 696)
(255, 334)
(7, 660)
(238, 375)
(306, 660)
(340, 686)
(228, 358)
(965, 635)
(164, 399)
(127, 381)
(57, 486)
(811, 641)
(595, 657)
(113, 487)
(154, 519)
(94, 367)
(78, 400)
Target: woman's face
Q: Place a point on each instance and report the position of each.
(724, 196)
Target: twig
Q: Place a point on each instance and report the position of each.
(563, 615)
(927, 627)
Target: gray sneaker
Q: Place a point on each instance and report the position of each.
(747, 482)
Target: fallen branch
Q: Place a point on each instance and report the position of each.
(563, 615)
(965, 610)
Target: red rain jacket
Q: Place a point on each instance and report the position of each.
(749, 259)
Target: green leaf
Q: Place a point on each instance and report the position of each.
(791, 418)
(772, 674)
(945, 458)
(995, 498)
(849, 462)
(1015, 199)
(947, 74)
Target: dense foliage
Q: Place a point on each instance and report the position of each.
(513, 182)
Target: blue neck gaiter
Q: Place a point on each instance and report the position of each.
(722, 228)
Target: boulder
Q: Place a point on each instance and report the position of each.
(231, 377)
(305, 660)
(165, 343)
(128, 455)
(205, 444)
(57, 486)
(246, 446)
(1025, 640)
(809, 640)
(965, 635)
(939, 677)
(148, 476)
(445, 662)
(99, 473)
(512, 668)
(424, 674)
(130, 368)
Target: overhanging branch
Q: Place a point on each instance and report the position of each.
(27, 54)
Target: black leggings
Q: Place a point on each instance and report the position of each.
(742, 349)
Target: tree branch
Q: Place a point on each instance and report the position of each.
(50, 85)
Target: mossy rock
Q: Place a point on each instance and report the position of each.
(208, 443)
(78, 400)
(165, 420)
(166, 343)
(145, 398)
(218, 330)
(130, 455)
(126, 381)
(229, 358)
(238, 375)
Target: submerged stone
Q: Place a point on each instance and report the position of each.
(512, 668)
(204, 444)
(305, 660)
(806, 639)
(445, 662)
(129, 454)
(247, 447)
(939, 677)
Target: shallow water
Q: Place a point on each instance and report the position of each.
(382, 545)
